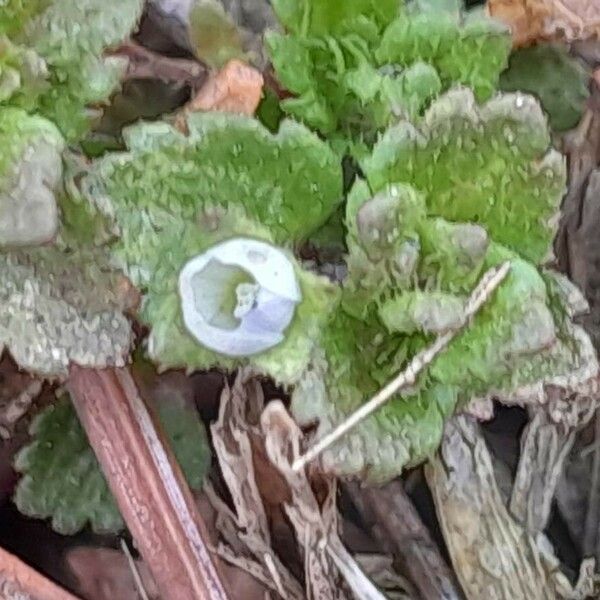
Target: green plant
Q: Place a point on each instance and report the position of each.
(556, 78)
(469, 188)
(205, 220)
(61, 478)
(355, 67)
(51, 56)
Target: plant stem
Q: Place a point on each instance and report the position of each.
(18, 580)
(147, 484)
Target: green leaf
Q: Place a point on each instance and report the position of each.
(269, 112)
(70, 37)
(490, 165)
(470, 189)
(23, 74)
(30, 175)
(61, 478)
(323, 17)
(556, 78)
(172, 197)
(291, 182)
(213, 34)
(17, 13)
(521, 341)
(357, 358)
(60, 307)
(355, 67)
(471, 50)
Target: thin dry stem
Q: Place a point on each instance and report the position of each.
(139, 584)
(484, 289)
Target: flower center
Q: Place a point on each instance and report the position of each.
(247, 294)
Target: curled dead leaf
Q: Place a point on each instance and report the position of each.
(536, 20)
(245, 534)
(330, 570)
(236, 88)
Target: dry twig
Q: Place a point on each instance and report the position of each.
(147, 484)
(139, 584)
(18, 581)
(145, 64)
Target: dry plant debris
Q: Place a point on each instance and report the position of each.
(391, 141)
(103, 574)
(20, 582)
(394, 522)
(536, 20)
(245, 530)
(236, 88)
(315, 525)
(545, 445)
(493, 555)
(147, 483)
(329, 570)
(18, 390)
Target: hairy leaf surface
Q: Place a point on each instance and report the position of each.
(289, 182)
(59, 307)
(30, 177)
(437, 211)
(62, 42)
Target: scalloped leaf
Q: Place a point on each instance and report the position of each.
(354, 67)
(59, 307)
(69, 37)
(522, 340)
(469, 49)
(171, 197)
(415, 253)
(490, 165)
(62, 480)
(291, 182)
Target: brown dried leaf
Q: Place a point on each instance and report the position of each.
(536, 20)
(493, 555)
(236, 88)
(330, 571)
(379, 568)
(545, 445)
(243, 584)
(247, 530)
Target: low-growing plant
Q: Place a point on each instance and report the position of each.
(205, 218)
